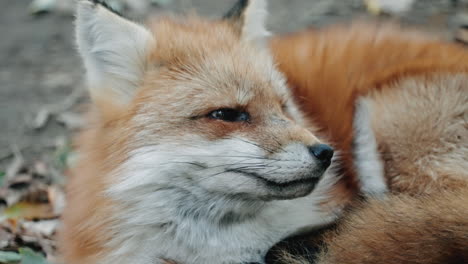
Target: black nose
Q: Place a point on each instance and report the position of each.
(323, 153)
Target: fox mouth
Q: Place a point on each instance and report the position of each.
(284, 190)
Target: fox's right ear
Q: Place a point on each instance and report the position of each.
(248, 17)
(114, 51)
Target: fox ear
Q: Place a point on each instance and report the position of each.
(114, 51)
(249, 18)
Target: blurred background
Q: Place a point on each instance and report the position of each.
(42, 92)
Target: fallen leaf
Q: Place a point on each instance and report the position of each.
(25, 187)
(14, 167)
(45, 227)
(48, 111)
(9, 257)
(5, 238)
(20, 182)
(2, 178)
(56, 199)
(41, 118)
(26, 210)
(394, 7)
(62, 155)
(40, 168)
(30, 257)
(71, 120)
(462, 35)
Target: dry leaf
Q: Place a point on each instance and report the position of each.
(71, 120)
(41, 118)
(9, 257)
(29, 211)
(56, 199)
(462, 35)
(41, 228)
(394, 7)
(14, 167)
(30, 257)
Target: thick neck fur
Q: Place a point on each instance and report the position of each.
(195, 225)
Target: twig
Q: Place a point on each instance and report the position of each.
(47, 111)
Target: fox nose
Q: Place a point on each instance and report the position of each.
(323, 153)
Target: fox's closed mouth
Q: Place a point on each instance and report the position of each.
(289, 184)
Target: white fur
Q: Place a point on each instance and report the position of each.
(113, 49)
(367, 158)
(174, 210)
(255, 16)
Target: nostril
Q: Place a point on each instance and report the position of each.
(322, 152)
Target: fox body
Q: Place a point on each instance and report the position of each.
(405, 94)
(195, 152)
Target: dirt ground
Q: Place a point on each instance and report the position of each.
(41, 76)
(39, 67)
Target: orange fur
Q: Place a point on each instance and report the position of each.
(428, 229)
(418, 89)
(88, 211)
(327, 69)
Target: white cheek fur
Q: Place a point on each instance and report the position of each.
(162, 208)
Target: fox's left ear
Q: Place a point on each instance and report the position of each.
(114, 51)
(248, 17)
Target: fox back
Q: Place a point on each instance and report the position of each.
(404, 93)
(411, 81)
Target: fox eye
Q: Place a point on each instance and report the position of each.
(284, 107)
(230, 115)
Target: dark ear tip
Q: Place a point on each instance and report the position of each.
(104, 4)
(237, 10)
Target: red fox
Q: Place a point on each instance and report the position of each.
(195, 151)
(405, 94)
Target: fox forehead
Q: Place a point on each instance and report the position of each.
(196, 56)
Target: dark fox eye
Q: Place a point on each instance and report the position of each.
(230, 115)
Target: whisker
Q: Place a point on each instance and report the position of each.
(234, 156)
(227, 156)
(255, 144)
(280, 146)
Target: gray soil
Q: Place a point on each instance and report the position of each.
(39, 65)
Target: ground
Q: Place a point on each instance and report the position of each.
(41, 77)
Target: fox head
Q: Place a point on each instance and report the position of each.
(193, 140)
(196, 105)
